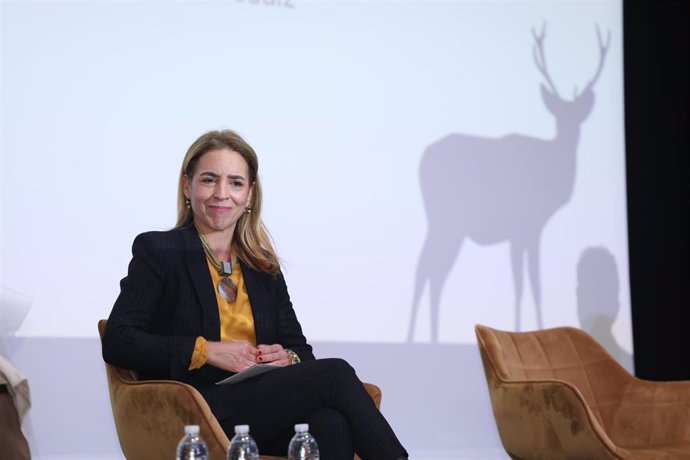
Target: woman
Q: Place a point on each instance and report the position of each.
(207, 299)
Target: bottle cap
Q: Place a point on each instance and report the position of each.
(301, 428)
(191, 429)
(241, 429)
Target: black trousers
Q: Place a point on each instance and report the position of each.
(325, 393)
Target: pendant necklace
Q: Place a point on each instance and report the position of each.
(226, 286)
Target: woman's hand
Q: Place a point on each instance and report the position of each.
(231, 355)
(272, 354)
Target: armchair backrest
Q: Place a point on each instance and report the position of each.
(566, 354)
(557, 393)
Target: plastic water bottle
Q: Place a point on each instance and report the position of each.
(242, 446)
(191, 446)
(303, 445)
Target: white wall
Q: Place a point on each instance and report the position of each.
(340, 99)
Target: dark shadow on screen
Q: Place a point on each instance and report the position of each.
(502, 189)
(598, 301)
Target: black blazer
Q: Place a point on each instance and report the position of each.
(168, 299)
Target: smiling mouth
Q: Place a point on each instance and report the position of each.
(219, 208)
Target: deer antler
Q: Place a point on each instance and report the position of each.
(539, 58)
(602, 56)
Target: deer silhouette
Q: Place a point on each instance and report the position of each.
(499, 189)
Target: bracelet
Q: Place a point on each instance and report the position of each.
(293, 357)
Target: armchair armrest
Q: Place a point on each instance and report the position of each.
(653, 413)
(375, 393)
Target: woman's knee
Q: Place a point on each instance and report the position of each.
(337, 382)
(338, 367)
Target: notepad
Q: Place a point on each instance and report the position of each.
(256, 369)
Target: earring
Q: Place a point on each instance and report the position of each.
(188, 203)
(247, 210)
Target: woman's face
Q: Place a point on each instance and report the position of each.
(219, 190)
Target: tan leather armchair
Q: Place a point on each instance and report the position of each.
(150, 415)
(557, 394)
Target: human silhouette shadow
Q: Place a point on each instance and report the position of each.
(492, 190)
(598, 301)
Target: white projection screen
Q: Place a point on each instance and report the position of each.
(427, 166)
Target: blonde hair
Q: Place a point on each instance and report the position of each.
(251, 242)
